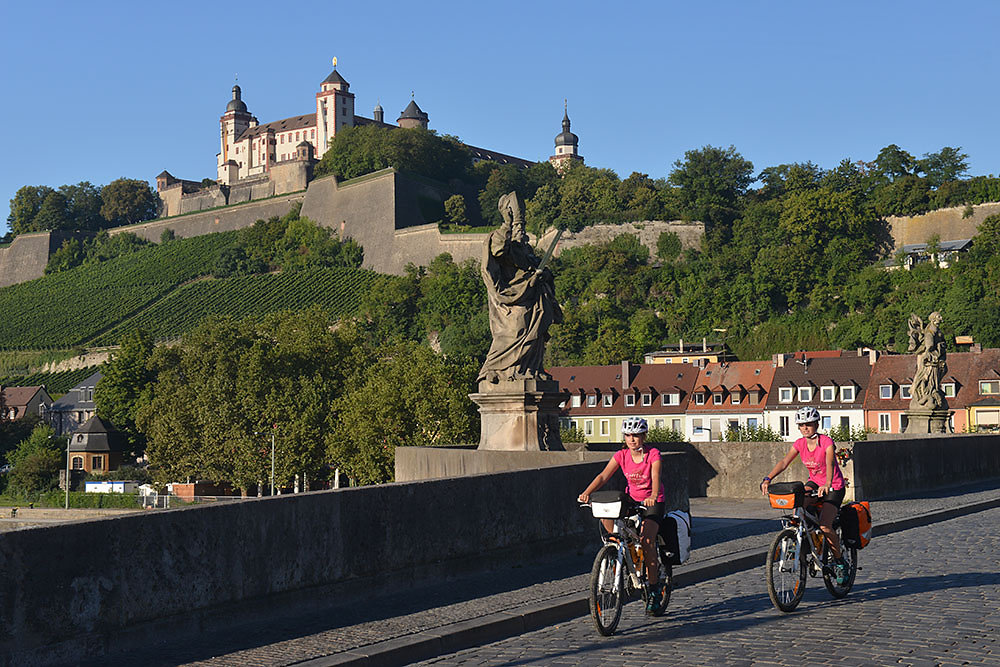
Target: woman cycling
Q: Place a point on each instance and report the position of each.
(817, 454)
(641, 466)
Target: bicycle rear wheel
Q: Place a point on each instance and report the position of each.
(666, 577)
(850, 554)
(606, 590)
(786, 571)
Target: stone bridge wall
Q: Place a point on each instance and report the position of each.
(70, 586)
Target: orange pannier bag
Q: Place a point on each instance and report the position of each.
(786, 495)
(856, 524)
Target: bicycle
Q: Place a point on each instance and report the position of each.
(801, 548)
(618, 571)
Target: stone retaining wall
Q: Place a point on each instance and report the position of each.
(74, 589)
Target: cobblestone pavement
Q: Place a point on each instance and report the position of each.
(925, 596)
(724, 528)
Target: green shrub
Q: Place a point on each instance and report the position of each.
(849, 434)
(664, 435)
(752, 434)
(572, 434)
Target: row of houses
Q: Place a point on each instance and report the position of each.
(65, 415)
(702, 400)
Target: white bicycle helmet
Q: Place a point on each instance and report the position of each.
(806, 415)
(634, 426)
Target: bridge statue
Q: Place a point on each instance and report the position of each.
(928, 411)
(518, 401)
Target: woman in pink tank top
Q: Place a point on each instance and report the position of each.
(817, 454)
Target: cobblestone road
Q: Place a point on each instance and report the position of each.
(925, 596)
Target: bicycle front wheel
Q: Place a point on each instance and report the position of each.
(786, 571)
(606, 590)
(850, 555)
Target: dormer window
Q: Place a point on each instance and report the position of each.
(629, 400)
(989, 387)
(591, 400)
(575, 401)
(607, 400)
(949, 389)
(847, 393)
(805, 394)
(904, 392)
(670, 399)
(699, 398)
(785, 394)
(735, 396)
(717, 397)
(828, 394)
(885, 391)
(647, 400)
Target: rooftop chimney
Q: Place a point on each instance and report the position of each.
(682, 346)
(704, 344)
(626, 372)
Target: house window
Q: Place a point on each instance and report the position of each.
(847, 394)
(827, 423)
(79, 416)
(647, 400)
(717, 398)
(883, 423)
(629, 400)
(670, 399)
(699, 398)
(675, 424)
(696, 426)
(845, 422)
(605, 427)
(885, 391)
(77, 463)
(949, 389)
(989, 386)
(904, 392)
(828, 394)
(785, 395)
(751, 422)
(805, 394)
(591, 400)
(588, 427)
(658, 423)
(97, 463)
(783, 426)
(575, 401)
(607, 400)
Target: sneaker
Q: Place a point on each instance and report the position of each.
(840, 570)
(655, 598)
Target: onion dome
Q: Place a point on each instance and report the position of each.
(566, 138)
(236, 104)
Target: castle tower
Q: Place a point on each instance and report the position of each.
(566, 146)
(233, 123)
(334, 109)
(412, 116)
(378, 114)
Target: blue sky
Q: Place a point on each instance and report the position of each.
(96, 91)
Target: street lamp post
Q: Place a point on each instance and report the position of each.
(272, 463)
(68, 440)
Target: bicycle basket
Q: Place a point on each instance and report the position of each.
(608, 504)
(786, 495)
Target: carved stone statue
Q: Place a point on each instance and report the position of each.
(928, 411)
(928, 344)
(518, 401)
(522, 301)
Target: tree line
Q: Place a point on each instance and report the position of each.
(82, 207)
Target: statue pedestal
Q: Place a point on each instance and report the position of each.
(919, 422)
(520, 415)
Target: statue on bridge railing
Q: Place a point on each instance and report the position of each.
(927, 343)
(928, 411)
(522, 300)
(518, 401)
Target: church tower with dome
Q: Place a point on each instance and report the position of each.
(567, 151)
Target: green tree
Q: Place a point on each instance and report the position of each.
(410, 397)
(25, 206)
(710, 182)
(454, 209)
(70, 254)
(126, 386)
(668, 246)
(53, 213)
(36, 462)
(948, 164)
(893, 162)
(83, 205)
(128, 201)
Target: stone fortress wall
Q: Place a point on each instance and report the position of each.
(387, 213)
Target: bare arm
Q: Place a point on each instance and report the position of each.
(655, 473)
(821, 491)
(599, 481)
(778, 468)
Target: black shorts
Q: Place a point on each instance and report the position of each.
(656, 513)
(835, 498)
